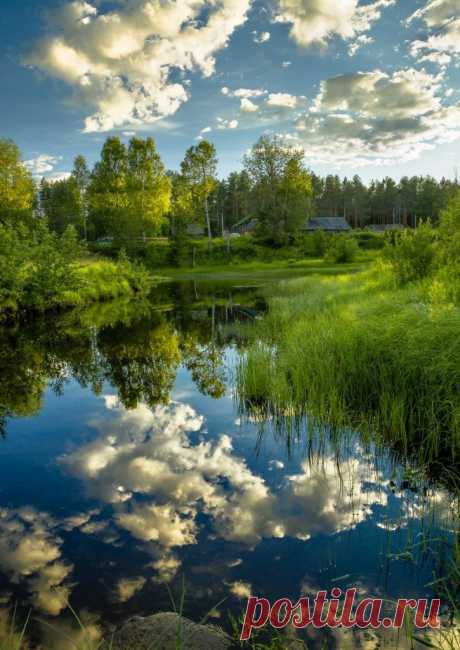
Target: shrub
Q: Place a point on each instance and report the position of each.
(411, 253)
(369, 241)
(320, 243)
(40, 270)
(341, 249)
(447, 277)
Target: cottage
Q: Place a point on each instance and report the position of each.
(327, 224)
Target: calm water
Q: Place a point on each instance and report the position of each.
(125, 467)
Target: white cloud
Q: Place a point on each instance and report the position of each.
(226, 124)
(42, 164)
(127, 587)
(241, 590)
(437, 12)
(30, 550)
(377, 118)
(168, 481)
(247, 106)
(358, 43)
(282, 100)
(58, 176)
(315, 22)
(442, 17)
(121, 62)
(261, 37)
(245, 93)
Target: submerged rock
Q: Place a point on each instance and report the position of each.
(162, 631)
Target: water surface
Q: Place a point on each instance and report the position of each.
(127, 472)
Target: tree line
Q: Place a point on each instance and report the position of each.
(130, 196)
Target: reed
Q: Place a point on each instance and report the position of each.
(358, 352)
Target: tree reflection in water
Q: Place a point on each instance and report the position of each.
(136, 348)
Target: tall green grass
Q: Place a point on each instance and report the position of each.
(356, 351)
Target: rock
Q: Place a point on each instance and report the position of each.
(160, 632)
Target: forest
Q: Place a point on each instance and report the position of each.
(85, 237)
(130, 195)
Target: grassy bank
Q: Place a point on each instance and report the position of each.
(254, 271)
(87, 282)
(161, 252)
(42, 271)
(358, 351)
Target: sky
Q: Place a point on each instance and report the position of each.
(361, 86)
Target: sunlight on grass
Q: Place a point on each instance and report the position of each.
(355, 351)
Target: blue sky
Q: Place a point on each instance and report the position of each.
(368, 87)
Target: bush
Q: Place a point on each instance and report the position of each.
(369, 241)
(341, 249)
(411, 253)
(40, 271)
(447, 278)
(320, 243)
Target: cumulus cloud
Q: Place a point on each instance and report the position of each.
(379, 118)
(127, 587)
(168, 482)
(315, 22)
(226, 124)
(282, 100)
(243, 93)
(122, 61)
(58, 176)
(241, 590)
(358, 43)
(246, 106)
(261, 37)
(30, 550)
(42, 164)
(442, 18)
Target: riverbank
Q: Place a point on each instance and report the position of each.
(250, 272)
(357, 351)
(81, 283)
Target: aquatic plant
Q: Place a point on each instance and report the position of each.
(357, 351)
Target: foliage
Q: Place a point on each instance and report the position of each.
(353, 352)
(59, 202)
(198, 170)
(40, 271)
(17, 191)
(341, 249)
(448, 251)
(281, 188)
(129, 192)
(320, 242)
(383, 201)
(412, 253)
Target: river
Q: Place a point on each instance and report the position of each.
(129, 474)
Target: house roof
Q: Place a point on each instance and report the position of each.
(332, 224)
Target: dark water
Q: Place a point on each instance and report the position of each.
(125, 467)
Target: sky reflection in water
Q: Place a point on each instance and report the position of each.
(136, 470)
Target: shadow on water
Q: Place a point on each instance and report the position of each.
(126, 464)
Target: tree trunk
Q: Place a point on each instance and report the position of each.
(208, 221)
